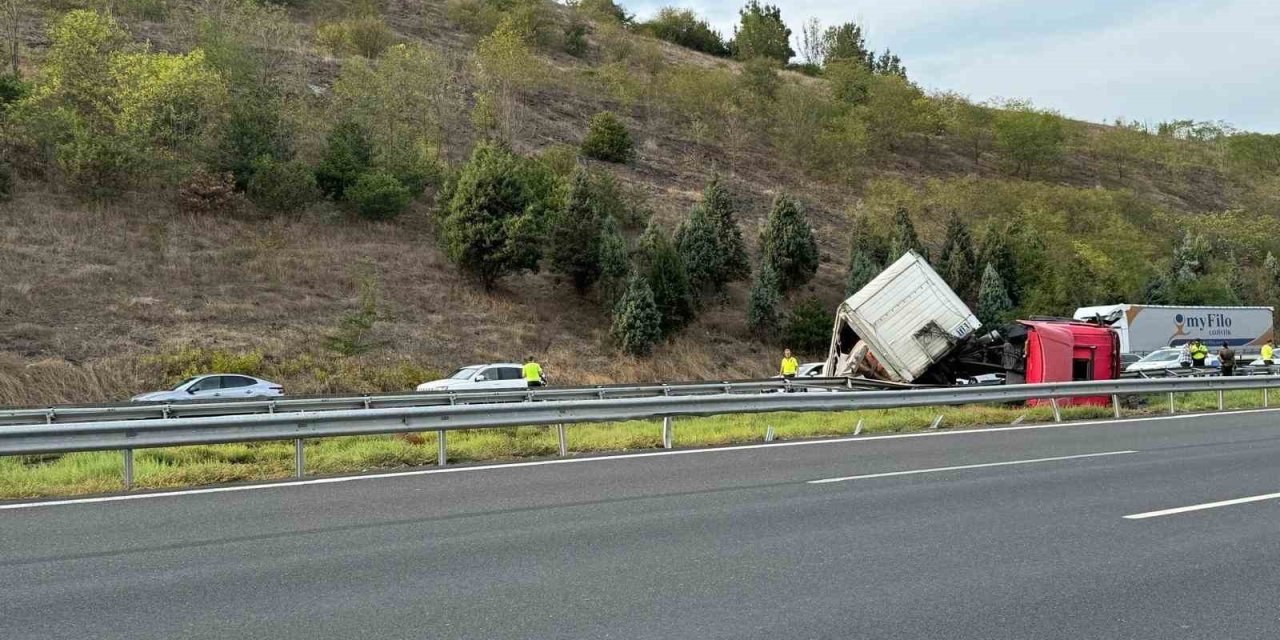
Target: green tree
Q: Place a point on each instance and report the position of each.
(866, 259)
(764, 317)
(903, 237)
(349, 155)
(575, 236)
(378, 195)
(862, 270)
(1029, 138)
(789, 245)
(993, 301)
(1271, 269)
(492, 222)
(282, 187)
(957, 263)
(808, 330)
(973, 125)
(850, 81)
(662, 267)
(607, 139)
(845, 43)
(254, 129)
(506, 66)
(615, 263)
(761, 33)
(637, 323)
(997, 253)
(887, 64)
(1190, 258)
(897, 111)
(710, 242)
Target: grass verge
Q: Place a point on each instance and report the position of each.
(99, 472)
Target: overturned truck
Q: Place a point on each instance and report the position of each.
(908, 326)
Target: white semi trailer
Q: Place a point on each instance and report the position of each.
(900, 325)
(1145, 328)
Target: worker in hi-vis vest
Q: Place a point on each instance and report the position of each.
(789, 365)
(1199, 351)
(533, 373)
(1268, 353)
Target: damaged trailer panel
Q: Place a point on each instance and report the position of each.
(899, 326)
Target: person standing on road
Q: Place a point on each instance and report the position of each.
(1227, 360)
(1198, 353)
(1268, 352)
(533, 373)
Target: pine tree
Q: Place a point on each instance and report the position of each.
(993, 301)
(491, 227)
(865, 261)
(662, 266)
(862, 270)
(699, 245)
(1271, 268)
(637, 324)
(1191, 258)
(718, 204)
(575, 235)
(997, 252)
(788, 244)
(348, 156)
(957, 263)
(615, 264)
(764, 317)
(903, 238)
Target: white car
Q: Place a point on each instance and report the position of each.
(1168, 358)
(503, 376)
(220, 386)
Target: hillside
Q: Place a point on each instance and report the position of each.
(112, 283)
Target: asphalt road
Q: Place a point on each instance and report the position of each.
(722, 544)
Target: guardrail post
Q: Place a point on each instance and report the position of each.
(128, 469)
(1172, 409)
(857, 431)
(667, 428)
(936, 422)
(442, 457)
(1057, 413)
(768, 434)
(1266, 398)
(564, 439)
(1222, 405)
(1115, 403)
(299, 458)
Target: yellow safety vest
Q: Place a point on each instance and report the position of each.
(790, 366)
(532, 372)
(1267, 352)
(1199, 352)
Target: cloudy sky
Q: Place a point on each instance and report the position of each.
(1096, 60)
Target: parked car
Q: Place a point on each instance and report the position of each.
(1168, 358)
(496, 377)
(1127, 359)
(216, 386)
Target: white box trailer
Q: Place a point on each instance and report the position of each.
(1144, 328)
(907, 319)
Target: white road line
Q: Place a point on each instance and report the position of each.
(612, 458)
(1202, 507)
(967, 466)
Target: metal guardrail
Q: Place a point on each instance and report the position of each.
(184, 409)
(542, 409)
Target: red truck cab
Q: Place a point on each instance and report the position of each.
(1065, 351)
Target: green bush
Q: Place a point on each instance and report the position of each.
(6, 181)
(608, 139)
(575, 39)
(368, 36)
(685, 28)
(282, 187)
(560, 158)
(808, 331)
(12, 89)
(378, 195)
(254, 128)
(348, 156)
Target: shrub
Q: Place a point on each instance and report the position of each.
(474, 16)
(347, 157)
(378, 195)
(12, 89)
(283, 187)
(788, 244)
(763, 318)
(606, 10)
(6, 181)
(205, 193)
(575, 39)
(608, 139)
(254, 128)
(368, 36)
(685, 28)
(809, 328)
(575, 235)
(562, 159)
(636, 319)
(663, 268)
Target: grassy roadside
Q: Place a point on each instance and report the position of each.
(97, 472)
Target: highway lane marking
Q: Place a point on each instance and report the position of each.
(968, 466)
(1202, 507)
(609, 458)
